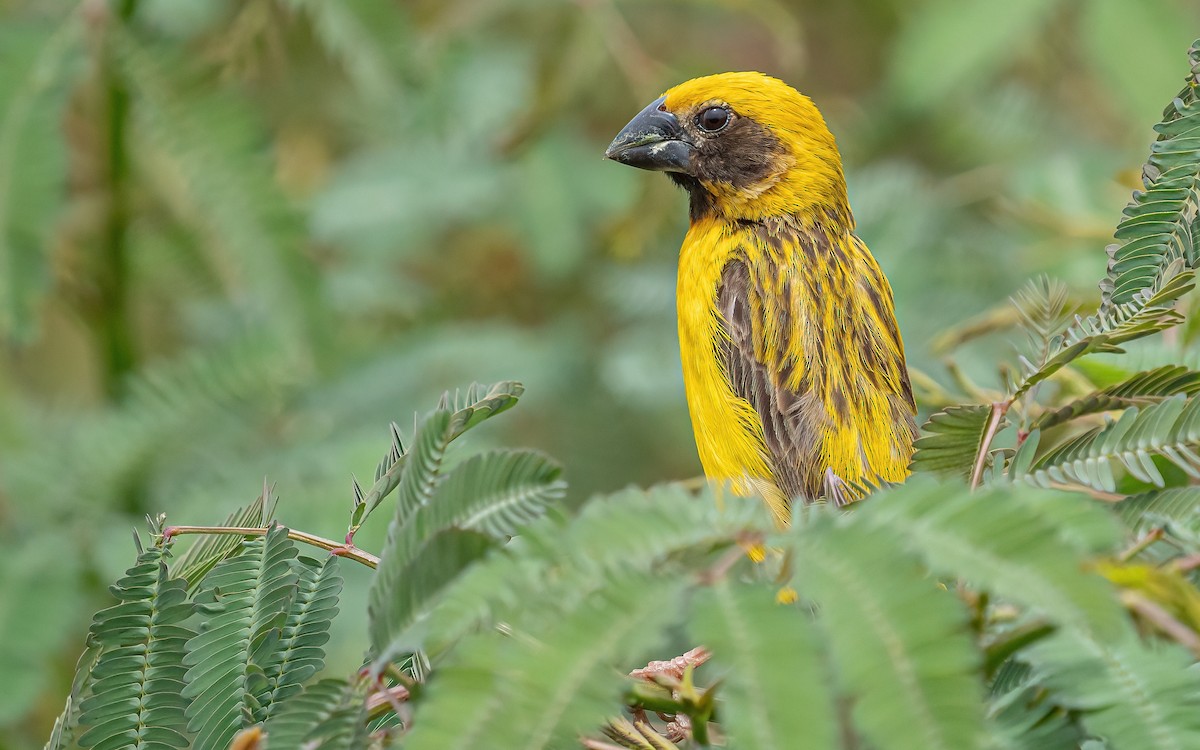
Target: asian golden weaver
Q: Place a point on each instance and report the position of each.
(792, 359)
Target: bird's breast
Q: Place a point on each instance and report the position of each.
(729, 434)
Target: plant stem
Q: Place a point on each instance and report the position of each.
(1161, 619)
(1140, 545)
(999, 408)
(337, 548)
(112, 277)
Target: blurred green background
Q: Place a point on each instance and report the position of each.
(239, 237)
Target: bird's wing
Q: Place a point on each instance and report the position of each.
(761, 380)
(779, 357)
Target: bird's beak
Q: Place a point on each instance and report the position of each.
(653, 140)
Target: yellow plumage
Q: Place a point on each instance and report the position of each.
(792, 359)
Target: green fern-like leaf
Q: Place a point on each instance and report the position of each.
(1023, 720)
(1162, 225)
(557, 561)
(246, 599)
(1132, 694)
(410, 575)
(1044, 309)
(952, 440)
(1141, 389)
(546, 686)
(500, 492)
(136, 685)
(1030, 548)
(406, 594)
(1147, 312)
(329, 714)
(37, 61)
(776, 686)
(1021, 546)
(477, 404)
(901, 648)
(1177, 510)
(485, 499)
(1170, 429)
(299, 653)
(495, 493)
(210, 549)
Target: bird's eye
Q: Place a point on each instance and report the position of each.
(713, 119)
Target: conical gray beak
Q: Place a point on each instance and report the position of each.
(653, 140)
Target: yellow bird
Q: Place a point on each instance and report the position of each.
(792, 359)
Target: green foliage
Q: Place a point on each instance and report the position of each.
(247, 598)
(899, 645)
(1143, 388)
(240, 234)
(1132, 695)
(1170, 430)
(1091, 663)
(952, 440)
(467, 410)
(775, 682)
(1162, 224)
(299, 654)
(36, 59)
(330, 713)
(1035, 566)
(201, 557)
(555, 679)
(137, 684)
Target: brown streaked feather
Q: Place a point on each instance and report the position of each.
(791, 420)
(763, 351)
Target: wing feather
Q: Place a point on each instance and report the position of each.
(780, 346)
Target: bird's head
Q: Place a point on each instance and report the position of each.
(745, 146)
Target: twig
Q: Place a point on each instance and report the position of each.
(1162, 620)
(336, 548)
(999, 408)
(1108, 497)
(1151, 537)
(1185, 564)
(389, 697)
(590, 744)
